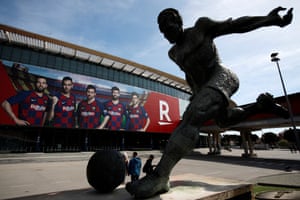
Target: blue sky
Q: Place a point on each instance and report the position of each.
(128, 29)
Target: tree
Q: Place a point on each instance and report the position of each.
(290, 136)
(254, 138)
(270, 138)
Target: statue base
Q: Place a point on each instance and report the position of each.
(185, 187)
(193, 186)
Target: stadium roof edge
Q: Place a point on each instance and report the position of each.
(23, 37)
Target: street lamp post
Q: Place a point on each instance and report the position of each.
(274, 58)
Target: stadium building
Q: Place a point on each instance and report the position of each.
(25, 56)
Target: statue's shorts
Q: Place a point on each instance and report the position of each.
(224, 80)
(212, 97)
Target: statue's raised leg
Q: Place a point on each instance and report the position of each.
(264, 104)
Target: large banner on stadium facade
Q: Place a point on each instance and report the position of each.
(90, 103)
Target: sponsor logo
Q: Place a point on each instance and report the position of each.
(37, 107)
(134, 116)
(86, 114)
(164, 123)
(114, 113)
(68, 108)
(163, 111)
(164, 118)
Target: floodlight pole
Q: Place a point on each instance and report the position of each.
(274, 58)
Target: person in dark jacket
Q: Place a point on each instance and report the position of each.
(148, 167)
(134, 167)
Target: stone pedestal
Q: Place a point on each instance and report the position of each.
(183, 187)
(192, 187)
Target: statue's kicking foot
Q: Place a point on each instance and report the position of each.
(266, 103)
(148, 186)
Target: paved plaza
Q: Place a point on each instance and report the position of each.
(24, 175)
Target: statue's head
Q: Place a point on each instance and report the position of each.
(170, 24)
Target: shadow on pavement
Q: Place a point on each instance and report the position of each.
(268, 163)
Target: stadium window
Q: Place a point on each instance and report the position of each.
(159, 87)
(151, 86)
(162, 88)
(51, 61)
(125, 77)
(156, 86)
(79, 66)
(142, 82)
(131, 80)
(167, 90)
(16, 55)
(116, 76)
(42, 60)
(99, 71)
(86, 69)
(135, 80)
(122, 77)
(172, 92)
(6, 53)
(93, 69)
(35, 58)
(80, 69)
(73, 67)
(66, 64)
(110, 75)
(25, 57)
(138, 81)
(58, 62)
(145, 84)
(104, 71)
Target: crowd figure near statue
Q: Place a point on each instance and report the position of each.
(134, 167)
(212, 85)
(148, 168)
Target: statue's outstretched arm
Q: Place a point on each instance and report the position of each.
(281, 21)
(249, 23)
